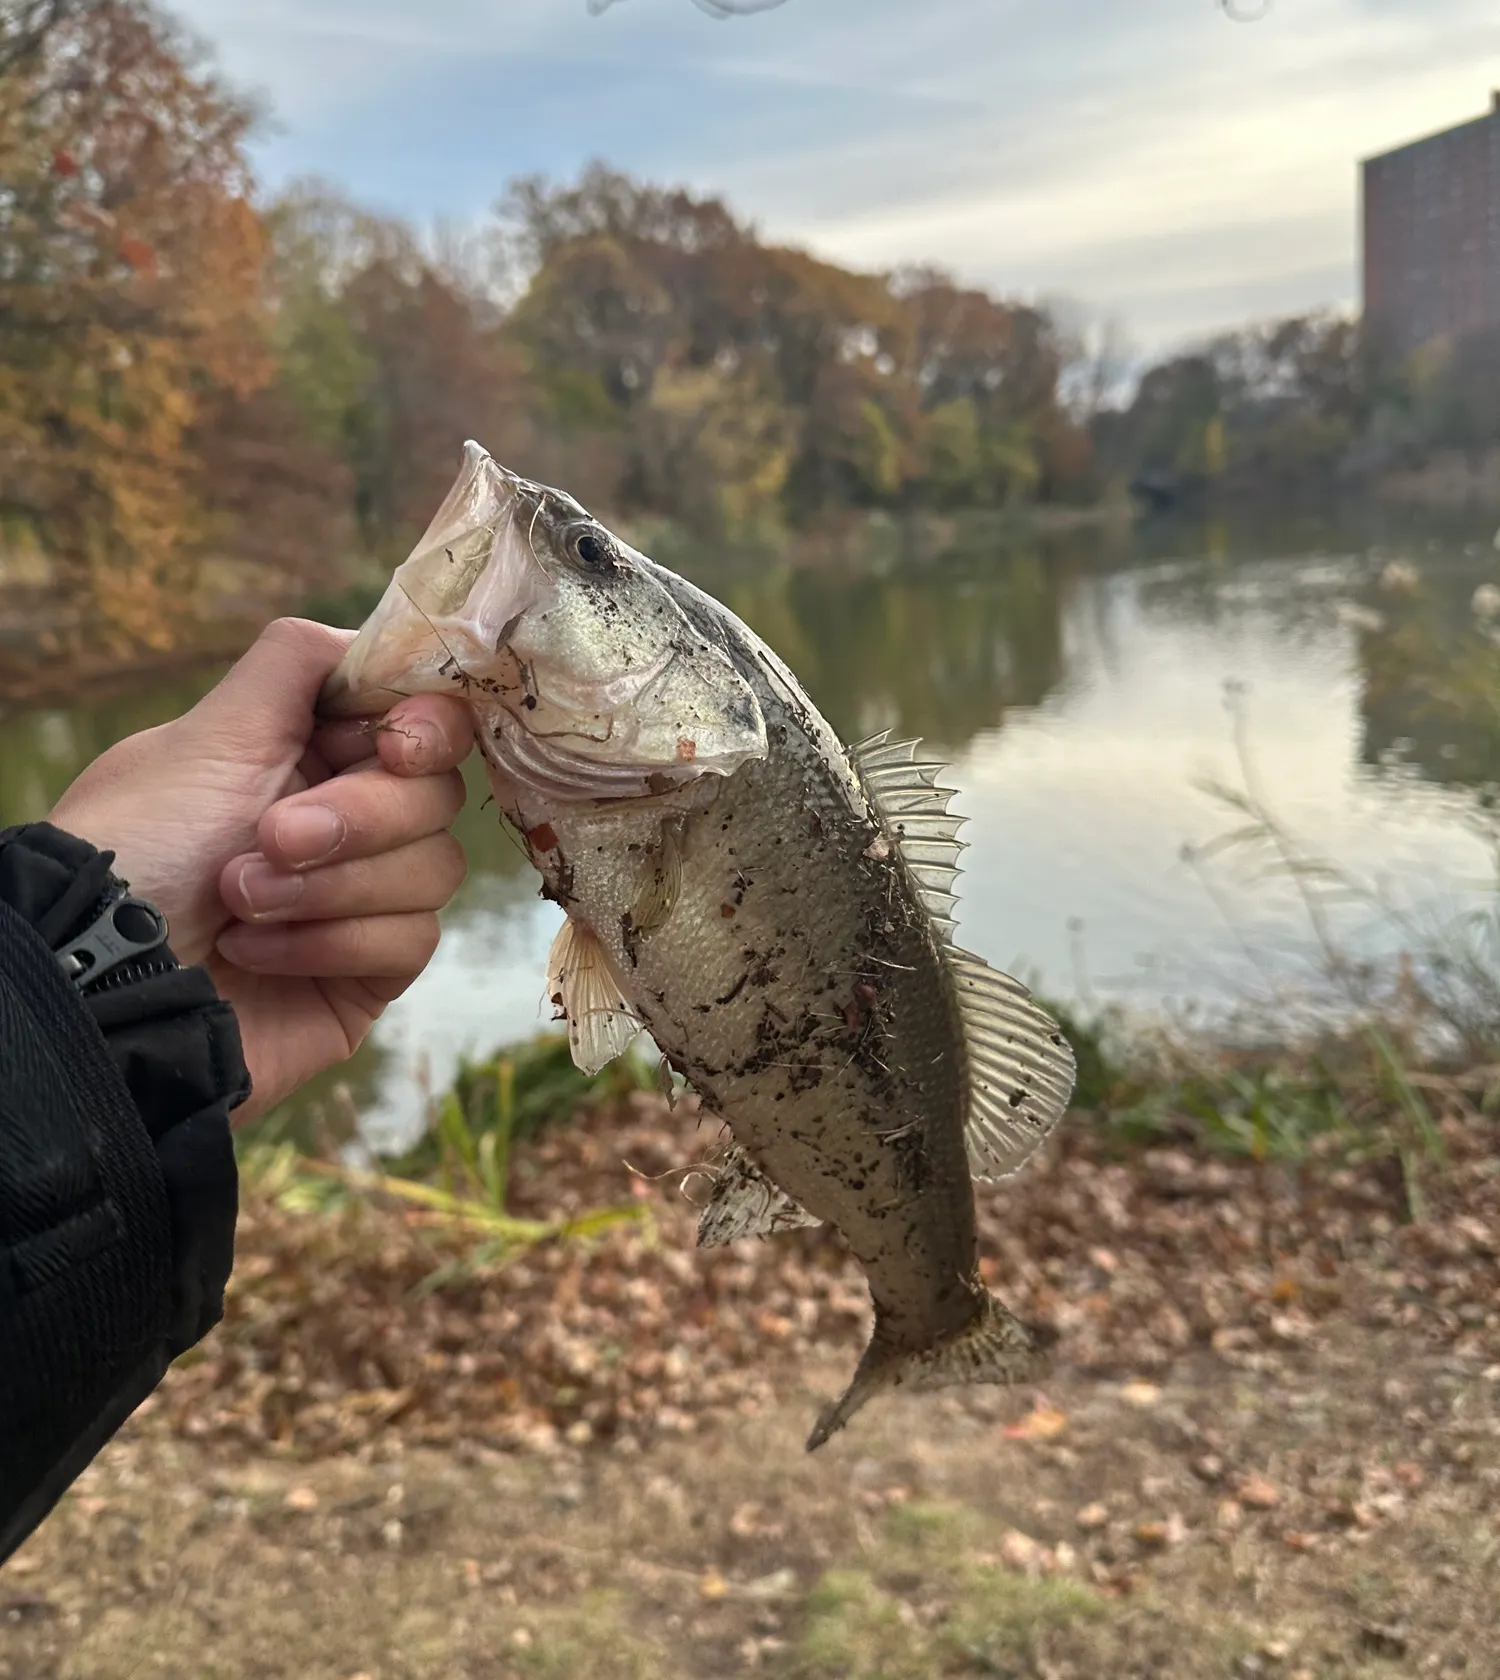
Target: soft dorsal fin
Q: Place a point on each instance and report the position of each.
(1020, 1067)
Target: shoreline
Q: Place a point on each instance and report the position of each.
(876, 540)
(46, 683)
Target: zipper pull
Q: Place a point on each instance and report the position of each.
(128, 927)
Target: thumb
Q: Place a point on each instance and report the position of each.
(266, 698)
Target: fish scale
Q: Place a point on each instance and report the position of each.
(758, 1011)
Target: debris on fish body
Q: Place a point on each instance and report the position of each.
(773, 908)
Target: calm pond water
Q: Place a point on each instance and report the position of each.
(1082, 692)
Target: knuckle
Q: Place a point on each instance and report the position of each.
(424, 940)
(457, 790)
(455, 862)
(361, 944)
(376, 806)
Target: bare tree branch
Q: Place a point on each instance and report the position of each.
(720, 9)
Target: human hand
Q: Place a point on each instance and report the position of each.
(302, 862)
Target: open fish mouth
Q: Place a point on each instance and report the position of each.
(581, 668)
(451, 606)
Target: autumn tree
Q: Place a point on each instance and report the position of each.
(390, 356)
(986, 377)
(132, 320)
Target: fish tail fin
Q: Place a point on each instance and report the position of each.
(996, 1348)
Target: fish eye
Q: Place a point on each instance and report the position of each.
(592, 550)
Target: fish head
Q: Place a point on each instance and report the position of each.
(573, 653)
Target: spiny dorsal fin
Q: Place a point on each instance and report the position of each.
(914, 812)
(580, 982)
(745, 1203)
(1020, 1067)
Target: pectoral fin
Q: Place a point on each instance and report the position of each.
(580, 982)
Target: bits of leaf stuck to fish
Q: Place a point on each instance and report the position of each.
(655, 755)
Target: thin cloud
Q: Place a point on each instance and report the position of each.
(1155, 156)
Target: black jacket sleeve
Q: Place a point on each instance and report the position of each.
(118, 1187)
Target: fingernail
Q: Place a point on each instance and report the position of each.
(267, 890)
(308, 834)
(419, 739)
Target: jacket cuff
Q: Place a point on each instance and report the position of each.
(175, 1044)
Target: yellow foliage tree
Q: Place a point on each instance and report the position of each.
(130, 304)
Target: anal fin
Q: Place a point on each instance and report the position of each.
(745, 1203)
(996, 1348)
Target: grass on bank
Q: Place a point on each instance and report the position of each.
(458, 1173)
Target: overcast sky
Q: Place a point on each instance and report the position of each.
(1147, 157)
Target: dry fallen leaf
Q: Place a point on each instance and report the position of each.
(780, 1583)
(1092, 1516)
(301, 1499)
(1043, 1424)
(713, 1585)
(1172, 1532)
(1140, 1393)
(1020, 1552)
(1384, 1639)
(317, 1298)
(1258, 1493)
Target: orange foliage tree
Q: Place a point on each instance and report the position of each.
(132, 320)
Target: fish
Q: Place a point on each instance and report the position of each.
(775, 909)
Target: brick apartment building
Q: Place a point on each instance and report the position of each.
(1431, 235)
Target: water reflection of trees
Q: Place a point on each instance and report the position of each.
(941, 652)
(500, 875)
(42, 751)
(1431, 682)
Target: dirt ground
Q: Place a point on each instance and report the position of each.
(1332, 1511)
(1268, 1445)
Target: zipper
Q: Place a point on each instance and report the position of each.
(120, 945)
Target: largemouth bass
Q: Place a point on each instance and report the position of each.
(774, 908)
